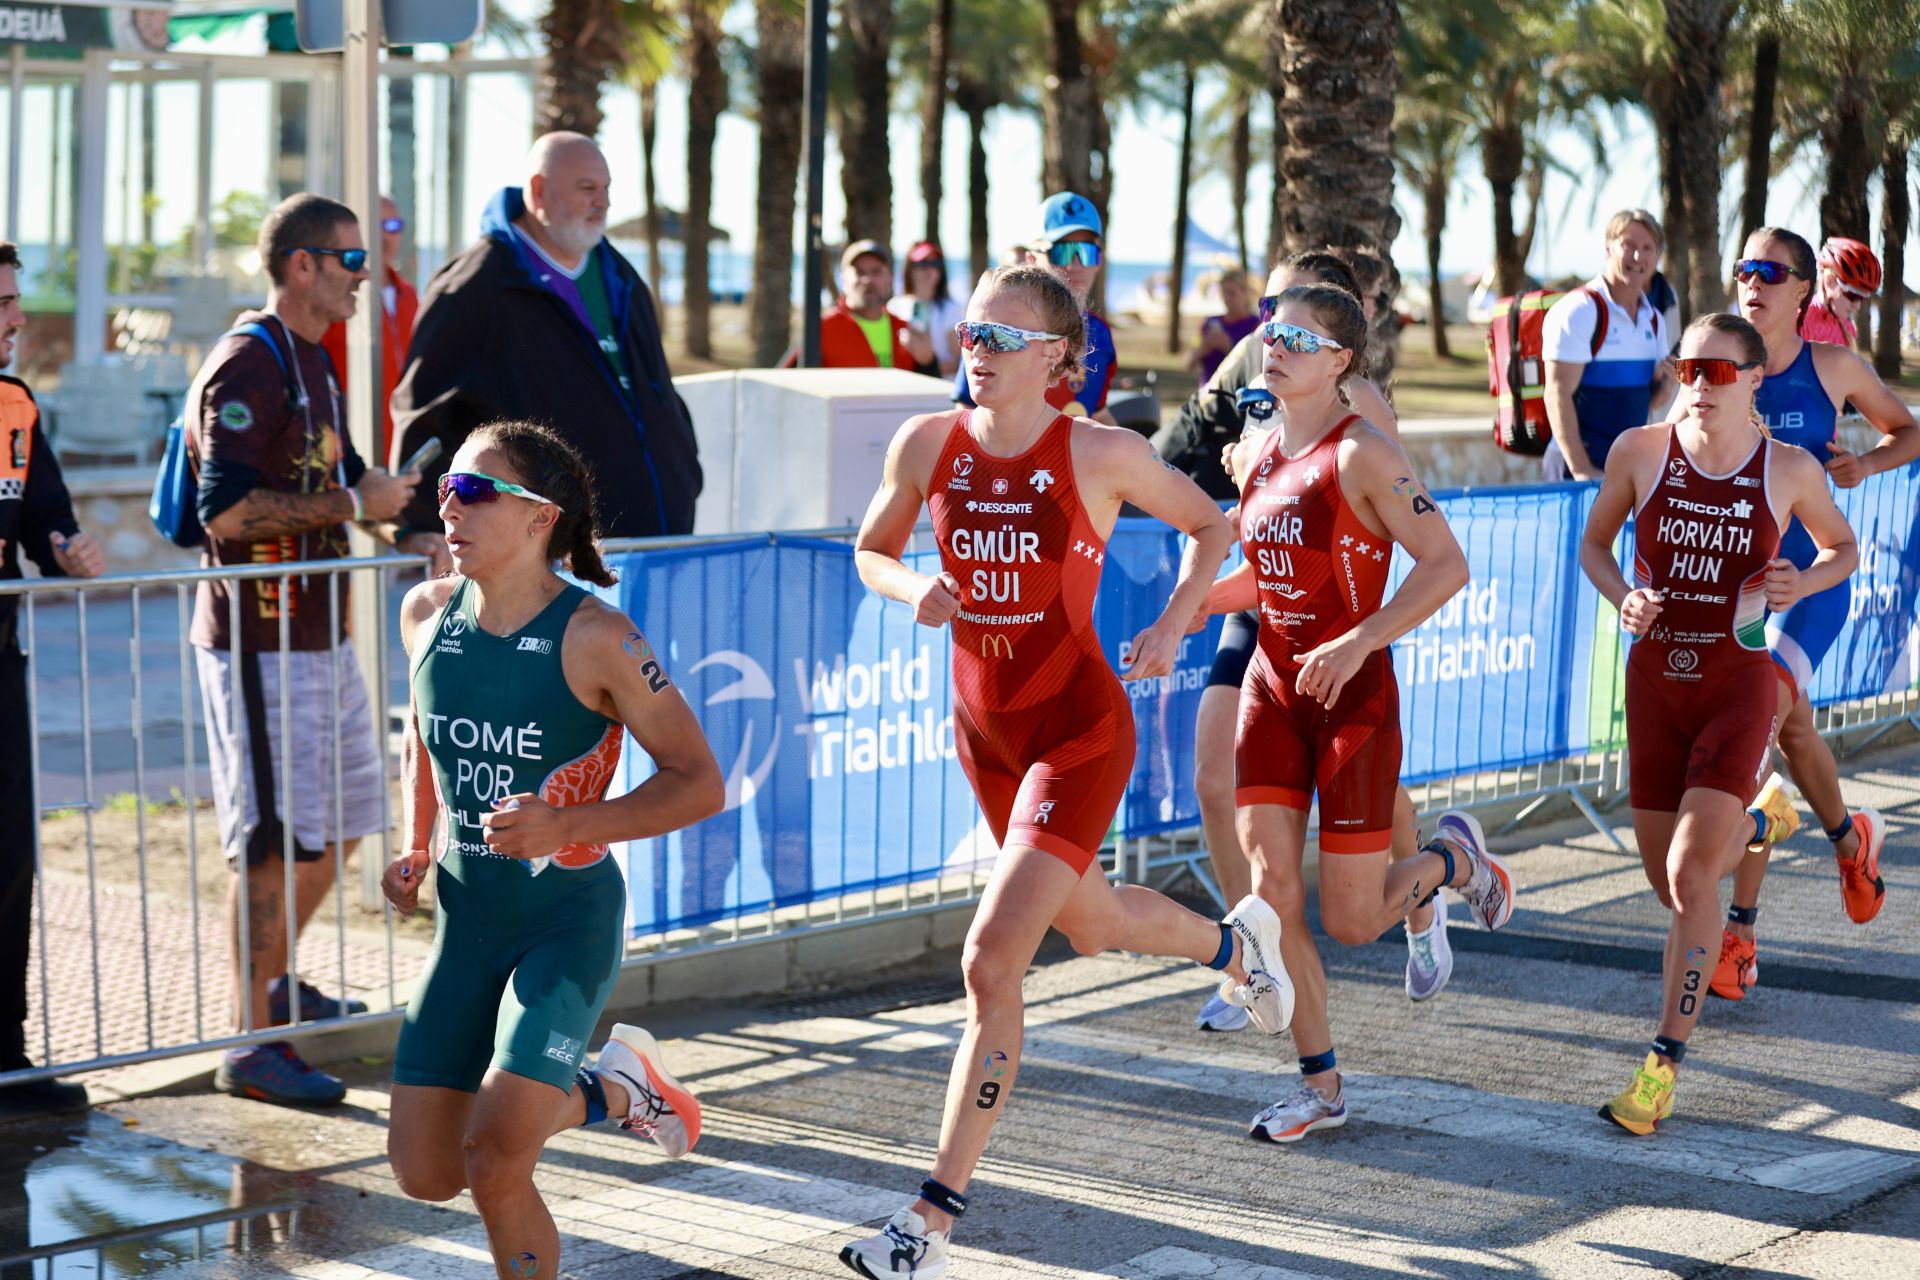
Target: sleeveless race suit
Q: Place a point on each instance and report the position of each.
(1320, 572)
(1042, 726)
(1702, 704)
(1798, 410)
(525, 953)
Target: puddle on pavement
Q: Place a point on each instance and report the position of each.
(89, 1197)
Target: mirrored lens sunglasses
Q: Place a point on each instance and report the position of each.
(997, 338)
(1301, 342)
(476, 487)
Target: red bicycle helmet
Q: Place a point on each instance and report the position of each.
(1853, 264)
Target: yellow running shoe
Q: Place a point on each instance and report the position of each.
(1777, 804)
(1646, 1102)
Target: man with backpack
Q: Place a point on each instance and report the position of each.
(277, 482)
(36, 516)
(1605, 348)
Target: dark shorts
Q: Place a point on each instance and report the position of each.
(1716, 733)
(1289, 748)
(1052, 776)
(1238, 636)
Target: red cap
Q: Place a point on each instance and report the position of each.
(925, 251)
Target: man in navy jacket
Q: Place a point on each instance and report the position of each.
(542, 319)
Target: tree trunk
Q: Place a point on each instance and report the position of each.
(1276, 93)
(649, 134)
(780, 65)
(979, 252)
(1678, 258)
(1177, 284)
(933, 117)
(1502, 157)
(706, 98)
(1340, 73)
(1436, 208)
(1843, 207)
(1241, 147)
(1536, 191)
(1068, 106)
(584, 45)
(866, 177)
(1896, 215)
(1697, 30)
(1760, 124)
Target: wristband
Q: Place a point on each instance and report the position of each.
(359, 506)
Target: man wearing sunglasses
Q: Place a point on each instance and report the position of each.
(278, 481)
(1594, 395)
(399, 305)
(543, 319)
(1069, 245)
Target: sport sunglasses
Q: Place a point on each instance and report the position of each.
(1070, 253)
(475, 487)
(1717, 371)
(351, 259)
(1766, 270)
(1301, 342)
(997, 338)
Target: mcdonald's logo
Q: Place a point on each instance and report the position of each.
(996, 645)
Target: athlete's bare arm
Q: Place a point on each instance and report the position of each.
(612, 669)
(1120, 466)
(421, 806)
(1620, 489)
(1847, 376)
(1803, 493)
(892, 515)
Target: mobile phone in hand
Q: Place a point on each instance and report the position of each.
(425, 454)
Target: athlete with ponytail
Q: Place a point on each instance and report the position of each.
(523, 688)
(1849, 275)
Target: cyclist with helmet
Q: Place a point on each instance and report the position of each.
(1849, 275)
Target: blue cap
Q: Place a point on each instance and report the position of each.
(1064, 213)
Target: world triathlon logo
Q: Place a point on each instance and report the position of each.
(455, 627)
(963, 465)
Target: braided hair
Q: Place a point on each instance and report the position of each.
(554, 469)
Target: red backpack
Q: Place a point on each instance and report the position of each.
(1516, 372)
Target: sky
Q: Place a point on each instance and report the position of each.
(1140, 224)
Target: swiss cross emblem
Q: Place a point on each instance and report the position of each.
(1000, 486)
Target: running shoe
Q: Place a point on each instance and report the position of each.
(1218, 1015)
(658, 1106)
(1489, 890)
(1738, 970)
(1268, 994)
(313, 1004)
(905, 1248)
(1861, 888)
(1645, 1102)
(1776, 803)
(275, 1073)
(1299, 1114)
(1429, 956)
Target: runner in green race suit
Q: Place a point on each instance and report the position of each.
(526, 952)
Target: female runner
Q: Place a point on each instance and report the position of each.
(1023, 499)
(1710, 495)
(523, 688)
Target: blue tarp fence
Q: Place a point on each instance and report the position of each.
(831, 712)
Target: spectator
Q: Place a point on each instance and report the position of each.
(542, 319)
(927, 304)
(860, 332)
(1592, 398)
(35, 515)
(278, 481)
(399, 305)
(1069, 245)
(1219, 334)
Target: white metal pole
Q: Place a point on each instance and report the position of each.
(17, 107)
(90, 218)
(203, 176)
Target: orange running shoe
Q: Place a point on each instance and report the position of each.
(1738, 970)
(1861, 888)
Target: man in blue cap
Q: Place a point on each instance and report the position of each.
(1069, 245)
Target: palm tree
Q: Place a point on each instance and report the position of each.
(1900, 95)
(866, 178)
(653, 36)
(586, 44)
(1072, 119)
(780, 82)
(706, 99)
(933, 114)
(1855, 44)
(1698, 32)
(1429, 142)
(1762, 26)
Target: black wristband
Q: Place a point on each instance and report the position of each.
(943, 1197)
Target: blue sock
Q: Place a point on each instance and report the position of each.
(596, 1096)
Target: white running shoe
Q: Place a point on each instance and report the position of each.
(1218, 1015)
(1300, 1113)
(658, 1106)
(904, 1248)
(1489, 890)
(1268, 994)
(1429, 956)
